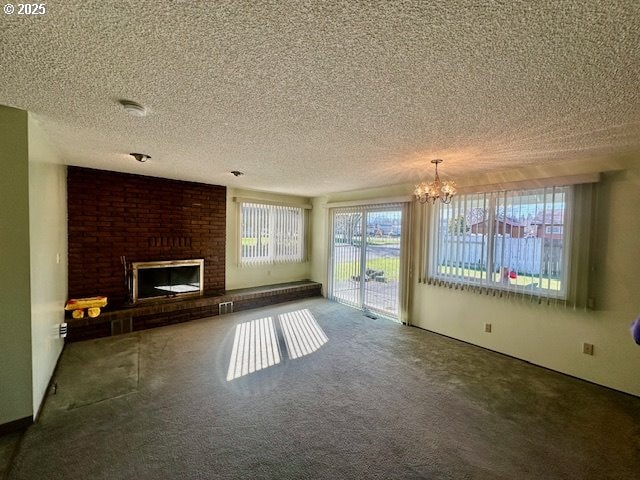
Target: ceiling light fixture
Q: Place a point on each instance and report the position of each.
(134, 109)
(141, 157)
(430, 192)
(236, 173)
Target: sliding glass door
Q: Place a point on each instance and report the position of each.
(367, 263)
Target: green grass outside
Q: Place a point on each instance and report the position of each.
(383, 241)
(264, 240)
(370, 241)
(521, 280)
(253, 241)
(390, 267)
(378, 241)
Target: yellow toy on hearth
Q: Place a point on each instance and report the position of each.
(92, 304)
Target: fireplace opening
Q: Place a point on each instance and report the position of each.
(153, 280)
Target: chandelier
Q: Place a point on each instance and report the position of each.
(430, 192)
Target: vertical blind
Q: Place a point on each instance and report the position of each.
(271, 233)
(368, 257)
(346, 254)
(504, 243)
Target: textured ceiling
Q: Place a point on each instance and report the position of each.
(316, 97)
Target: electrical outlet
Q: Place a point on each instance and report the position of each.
(587, 348)
(487, 327)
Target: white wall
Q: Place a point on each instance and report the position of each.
(548, 336)
(48, 234)
(257, 275)
(15, 301)
(552, 336)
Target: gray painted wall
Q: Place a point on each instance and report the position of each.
(15, 298)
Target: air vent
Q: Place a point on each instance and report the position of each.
(63, 330)
(225, 307)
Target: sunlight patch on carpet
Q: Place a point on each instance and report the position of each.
(255, 347)
(302, 334)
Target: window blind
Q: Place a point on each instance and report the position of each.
(271, 233)
(504, 243)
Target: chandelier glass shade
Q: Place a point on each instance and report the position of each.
(430, 192)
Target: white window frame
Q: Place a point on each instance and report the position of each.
(254, 215)
(489, 279)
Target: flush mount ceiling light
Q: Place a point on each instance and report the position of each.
(134, 109)
(430, 192)
(236, 173)
(141, 157)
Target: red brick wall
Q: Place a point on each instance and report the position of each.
(144, 218)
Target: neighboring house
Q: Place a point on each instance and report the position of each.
(506, 226)
(383, 229)
(549, 224)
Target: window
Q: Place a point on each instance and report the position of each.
(554, 230)
(271, 233)
(515, 241)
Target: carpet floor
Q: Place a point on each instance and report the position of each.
(314, 389)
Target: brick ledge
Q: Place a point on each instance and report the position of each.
(164, 312)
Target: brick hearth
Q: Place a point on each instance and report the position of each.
(165, 312)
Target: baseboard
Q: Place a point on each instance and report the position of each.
(16, 425)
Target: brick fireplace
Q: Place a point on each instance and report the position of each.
(149, 221)
(145, 219)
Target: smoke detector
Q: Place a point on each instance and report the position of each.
(134, 109)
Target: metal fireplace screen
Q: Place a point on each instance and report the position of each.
(173, 278)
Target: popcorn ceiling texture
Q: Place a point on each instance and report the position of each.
(316, 97)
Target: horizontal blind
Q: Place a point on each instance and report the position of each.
(271, 233)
